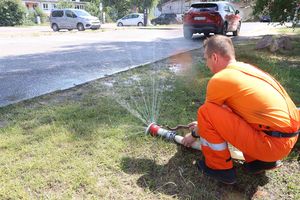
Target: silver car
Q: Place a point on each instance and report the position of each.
(73, 19)
(133, 19)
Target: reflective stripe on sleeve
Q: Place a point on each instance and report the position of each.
(216, 147)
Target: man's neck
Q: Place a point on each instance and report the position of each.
(224, 63)
(231, 61)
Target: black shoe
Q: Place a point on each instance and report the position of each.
(257, 166)
(226, 176)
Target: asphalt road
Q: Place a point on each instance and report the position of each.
(36, 61)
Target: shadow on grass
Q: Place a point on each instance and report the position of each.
(181, 179)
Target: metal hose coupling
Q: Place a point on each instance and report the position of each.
(155, 130)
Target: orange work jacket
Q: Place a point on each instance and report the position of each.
(255, 96)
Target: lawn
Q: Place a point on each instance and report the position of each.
(88, 142)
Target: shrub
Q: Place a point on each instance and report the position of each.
(92, 8)
(279, 10)
(30, 19)
(64, 4)
(43, 16)
(12, 12)
(111, 14)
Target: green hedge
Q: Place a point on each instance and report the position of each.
(12, 12)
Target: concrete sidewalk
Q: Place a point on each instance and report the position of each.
(21, 31)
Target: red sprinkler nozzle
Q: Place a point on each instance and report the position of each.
(152, 129)
(156, 130)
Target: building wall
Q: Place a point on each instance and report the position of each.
(176, 6)
(48, 5)
(180, 6)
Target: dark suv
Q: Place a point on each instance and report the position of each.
(167, 18)
(212, 17)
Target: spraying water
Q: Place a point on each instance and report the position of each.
(142, 95)
(142, 101)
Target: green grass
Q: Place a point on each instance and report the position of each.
(81, 144)
(290, 31)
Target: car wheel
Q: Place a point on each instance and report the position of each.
(154, 23)
(140, 24)
(187, 33)
(120, 24)
(80, 27)
(206, 34)
(70, 29)
(224, 29)
(236, 33)
(55, 27)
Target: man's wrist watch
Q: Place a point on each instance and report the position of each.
(194, 134)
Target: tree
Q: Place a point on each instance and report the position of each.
(121, 7)
(279, 10)
(160, 3)
(114, 8)
(64, 4)
(143, 4)
(93, 7)
(12, 12)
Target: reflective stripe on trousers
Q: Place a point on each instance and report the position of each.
(216, 147)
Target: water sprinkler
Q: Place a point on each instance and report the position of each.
(155, 130)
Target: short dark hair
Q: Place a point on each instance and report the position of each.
(219, 44)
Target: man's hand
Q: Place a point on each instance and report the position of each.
(193, 125)
(188, 140)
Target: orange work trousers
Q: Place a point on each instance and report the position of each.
(218, 125)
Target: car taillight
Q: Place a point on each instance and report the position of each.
(187, 16)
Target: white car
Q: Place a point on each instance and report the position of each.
(133, 19)
(72, 19)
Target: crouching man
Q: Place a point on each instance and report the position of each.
(245, 107)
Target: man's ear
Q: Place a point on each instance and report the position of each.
(214, 57)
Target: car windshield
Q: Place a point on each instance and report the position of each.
(82, 13)
(204, 7)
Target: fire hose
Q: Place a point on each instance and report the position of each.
(171, 135)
